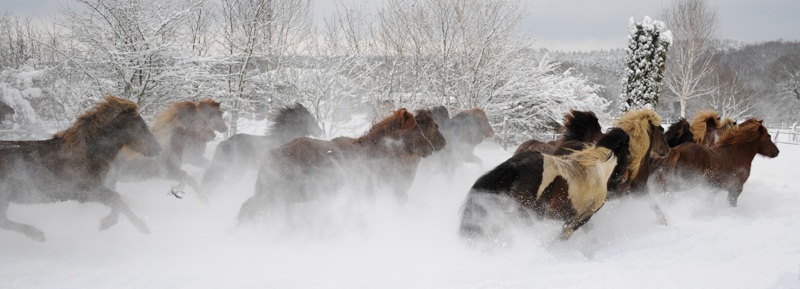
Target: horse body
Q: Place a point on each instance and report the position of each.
(387, 156)
(241, 152)
(570, 188)
(463, 133)
(73, 164)
(195, 148)
(725, 166)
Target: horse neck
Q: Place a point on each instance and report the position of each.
(746, 151)
(105, 151)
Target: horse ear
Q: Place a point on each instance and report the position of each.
(407, 119)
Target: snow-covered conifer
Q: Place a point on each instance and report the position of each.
(648, 42)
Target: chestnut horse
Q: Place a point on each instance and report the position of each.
(678, 133)
(73, 164)
(582, 126)
(195, 148)
(570, 188)
(724, 166)
(386, 156)
(181, 123)
(241, 152)
(704, 127)
(463, 132)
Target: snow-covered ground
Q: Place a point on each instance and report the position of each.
(380, 244)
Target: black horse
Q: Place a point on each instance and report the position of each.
(242, 152)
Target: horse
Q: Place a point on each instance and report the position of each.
(241, 152)
(704, 127)
(570, 188)
(72, 165)
(181, 123)
(6, 111)
(582, 126)
(387, 156)
(195, 148)
(463, 132)
(679, 132)
(724, 166)
(647, 141)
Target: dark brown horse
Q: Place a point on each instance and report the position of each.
(181, 123)
(386, 156)
(678, 133)
(242, 152)
(463, 133)
(6, 111)
(570, 188)
(725, 166)
(704, 127)
(73, 164)
(194, 148)
(582, 126)
(647, 141)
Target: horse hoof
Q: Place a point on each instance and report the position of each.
(177, 193)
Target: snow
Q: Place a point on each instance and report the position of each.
(381, 244)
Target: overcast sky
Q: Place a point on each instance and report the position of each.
(593, 24)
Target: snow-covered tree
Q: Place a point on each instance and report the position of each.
(648, 42)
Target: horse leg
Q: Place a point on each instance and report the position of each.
(183, 179)
(733, 195)
(113, 199)
(572, 225)
(28, 230)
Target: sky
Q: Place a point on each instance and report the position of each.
(589, 24)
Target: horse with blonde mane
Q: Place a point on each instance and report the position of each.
(724, 166)
(386, 157)
(73, 164)
(181, 123)
(704, 127)
(570, 188)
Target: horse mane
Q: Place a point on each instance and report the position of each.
(286, 116)
(726, 125)
(578, 125)
(700, 124)
(87, 124)
(748, 131)
(637, 124)
(590, 155)
(208, 101)
(391, 126)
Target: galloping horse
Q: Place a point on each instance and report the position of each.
(386, 156)
(570, 188)
(463, 132)
(5, 111)
(647, 141)
(181, 123)
(704, 127)
(194, 148)
(725, 166)
(72, 165)
(582, 126)
(240, 152)
(678, 133)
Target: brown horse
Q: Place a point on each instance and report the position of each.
(704, 127)
(181, 123)
(463, 132)
(570, 188)
(678, 133)
(386, 156)
(194, 148)
(725, 166)
(647, 141)
(242, 152)
(72, 165)
(582, 126)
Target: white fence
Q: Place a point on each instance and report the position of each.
(788, 134)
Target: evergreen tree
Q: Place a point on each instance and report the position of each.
(647, 50)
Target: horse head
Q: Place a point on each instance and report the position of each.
(212, 113)
(129, 128)
(658, 141)
(425, 139)
(296, 121)
(440, 115)
(766, 147)
(678, 133)
(581, 126)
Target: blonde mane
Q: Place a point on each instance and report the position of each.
(87, 124)
(636, 123)
(590, 155)
(699, 126)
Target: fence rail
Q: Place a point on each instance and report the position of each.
(785, 134)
